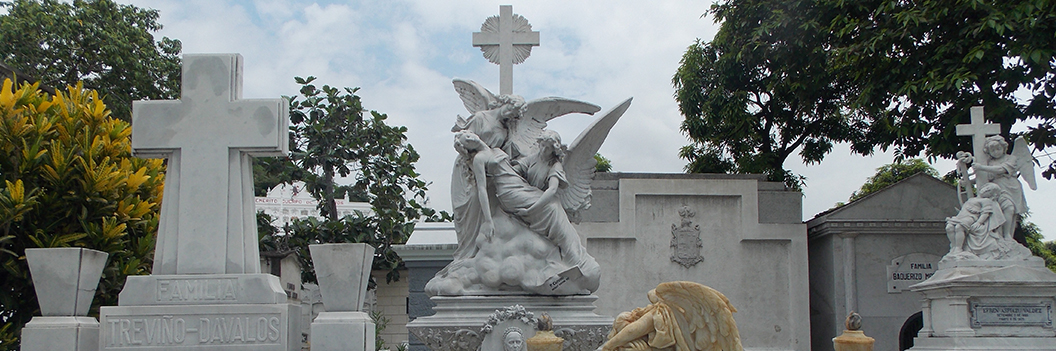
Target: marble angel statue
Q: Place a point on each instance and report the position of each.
(681, 316)
(512, 188)
(1004, 170)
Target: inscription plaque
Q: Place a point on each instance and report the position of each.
(1011, 314)
(910, 269)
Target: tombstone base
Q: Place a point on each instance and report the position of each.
(456, 326)
(983, 306)
(265, 327)
(343, 331)
(61, 334)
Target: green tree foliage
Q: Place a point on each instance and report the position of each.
(893, 173)
(69, 180)
(916, 67)
(604, 164)
(1031, 238)
(760, 90)
(106, 45)
(332, 137)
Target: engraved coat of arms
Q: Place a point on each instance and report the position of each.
(685, 240)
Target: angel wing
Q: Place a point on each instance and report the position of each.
(474, 96)
(579, 160)
(707, 313)
(1024, 162)
(525, 130)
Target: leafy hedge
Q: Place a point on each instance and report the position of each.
(69, 180)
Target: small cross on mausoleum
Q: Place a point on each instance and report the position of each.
(207, 215)
(506, 40)
(979, 130)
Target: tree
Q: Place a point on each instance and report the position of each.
(69, 180)
(893, 173)
(106, 45)
(604, 164)
(760, 90)
(333, 137)
(914, 69)
(1029, 235)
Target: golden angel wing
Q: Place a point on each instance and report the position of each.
(707, 315)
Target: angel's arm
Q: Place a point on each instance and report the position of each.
(1000, 168)
(548, 194)
(482, 193)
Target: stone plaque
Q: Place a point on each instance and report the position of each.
(253, 327)
(1011, 314)
(910, 269)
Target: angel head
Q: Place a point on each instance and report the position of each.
(990, 191)
(508, 106)
(996, 146)
(550, 145)
(467, 142)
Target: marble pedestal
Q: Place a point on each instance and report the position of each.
(61, 333)
(457, 324)
(201, 312)
(342, 331)
(988, 305)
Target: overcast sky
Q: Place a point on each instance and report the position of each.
(403, 54)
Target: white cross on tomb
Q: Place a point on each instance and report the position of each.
(208, 224)
(506, 40)
(979, 130)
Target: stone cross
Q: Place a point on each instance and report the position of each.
(207, 223)
(506, 40)
(979, 130)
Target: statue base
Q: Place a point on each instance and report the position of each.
(201, 312)
(457, 324)
(988, 305)
(61, 334)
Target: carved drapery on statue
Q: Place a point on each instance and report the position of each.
(513, 188)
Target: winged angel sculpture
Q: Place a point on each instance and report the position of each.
(984, 226)
(513, 189)
(681, 316)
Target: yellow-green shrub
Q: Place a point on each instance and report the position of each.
(69, 180)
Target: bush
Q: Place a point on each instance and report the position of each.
(69, 180)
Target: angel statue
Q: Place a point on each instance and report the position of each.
(513, 188)
(681, 316)
(1005, 171)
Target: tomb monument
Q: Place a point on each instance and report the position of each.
(989, 292)
(516, 189)
(206, 291)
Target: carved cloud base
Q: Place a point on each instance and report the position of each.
(457, 324)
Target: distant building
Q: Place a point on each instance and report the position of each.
(865, 255)
(287, 202)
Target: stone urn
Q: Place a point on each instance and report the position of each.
(65, 278)
(343, 271)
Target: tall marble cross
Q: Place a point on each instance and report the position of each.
(207, 220)
(979, 130)
(506, 40)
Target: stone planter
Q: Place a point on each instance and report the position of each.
(65, 279)
(343, 271)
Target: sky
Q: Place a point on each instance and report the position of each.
(403, 55)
